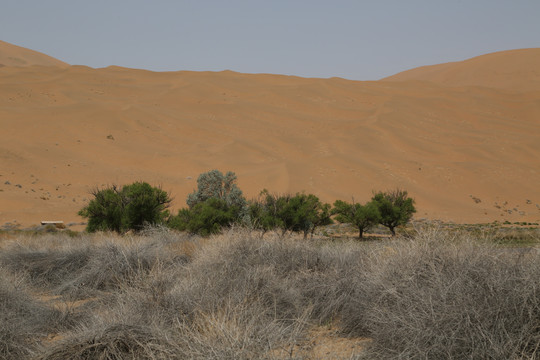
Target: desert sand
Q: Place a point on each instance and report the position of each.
(463, 138)
(13, 55)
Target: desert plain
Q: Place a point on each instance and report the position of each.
(462, 138)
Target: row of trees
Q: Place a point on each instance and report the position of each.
(218, 202)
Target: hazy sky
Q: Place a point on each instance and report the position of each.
(360, 40)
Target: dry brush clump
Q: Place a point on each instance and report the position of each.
(113, 341)
(167, 295)
(24, 319)
(284, 274)
(443, 296)
(81, 268)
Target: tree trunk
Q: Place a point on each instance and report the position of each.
(392, 230)
(360, 233)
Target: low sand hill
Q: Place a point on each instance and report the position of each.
(13, 55)
(466, 154)
(517, 70)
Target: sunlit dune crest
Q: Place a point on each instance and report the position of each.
(517, 70)
(13, 55)
(462, 138)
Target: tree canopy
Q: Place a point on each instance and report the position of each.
(125, 208)
(214, 184)
(396, 208)
(363, 217)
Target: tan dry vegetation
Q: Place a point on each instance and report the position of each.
(68, 129)
(440, 295)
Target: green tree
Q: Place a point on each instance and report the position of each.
(396, 208)
(205, 218)
(304, 212)
(213, 184)
(105, 211)
(260, 217)
(324, 213)
(363, 217)
(217, 203)
(300, 213)
(264, 212)
(180, 221)
(127, 208)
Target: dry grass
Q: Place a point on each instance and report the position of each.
(24, 319)
(165, 295)
(443, 296)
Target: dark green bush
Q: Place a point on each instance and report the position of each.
(128, 208)
(217, 203)
(361, 216)
(180, 221)
(304, 212)
(265, 212)
(300, 213)
(206, 218)
(396, 208)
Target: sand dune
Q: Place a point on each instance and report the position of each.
(517, 70)
(13, 55)
(465, 153)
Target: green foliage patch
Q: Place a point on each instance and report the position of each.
(218, 203)
(395, 208)
(126, 208)
(363, 217)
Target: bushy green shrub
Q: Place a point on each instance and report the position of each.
(304, 212)
(205, 218)
(262, 213)
(361, 216)
(180, 221)
(217, 203)
(127, 208)
(396, 208)
(301, 212)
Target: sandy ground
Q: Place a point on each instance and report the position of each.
(13, 55)
(467, 151)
